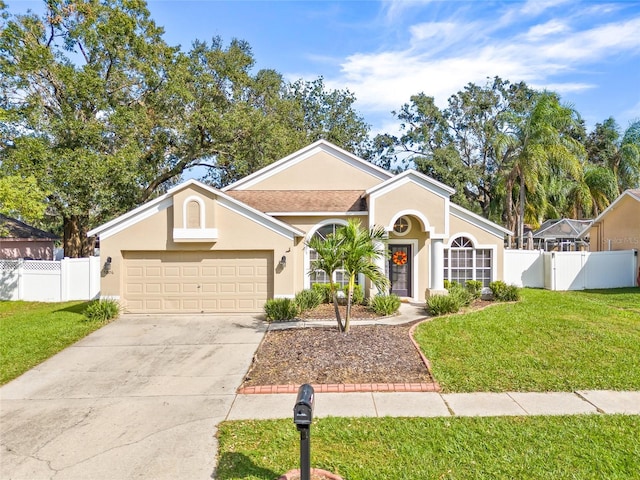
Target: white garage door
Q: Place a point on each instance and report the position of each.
(194, 282)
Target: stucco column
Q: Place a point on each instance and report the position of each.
(437, 268)
(380, 262)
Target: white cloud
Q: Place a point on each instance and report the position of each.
(536, 7)
(552, 27)
(393, 9)
(433, 30)
(441, 57)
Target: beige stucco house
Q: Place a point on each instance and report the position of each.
(200, 249)
(618, 227)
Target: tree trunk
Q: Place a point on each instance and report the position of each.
(75, 241)
(509, 208)
(521, 213)
(347, 316)
(337, 309)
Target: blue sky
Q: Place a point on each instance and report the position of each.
(384, 52)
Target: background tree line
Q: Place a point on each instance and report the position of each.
(98, 115)
(515, 155)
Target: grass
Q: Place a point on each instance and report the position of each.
(585, 447)
(31, 332)
(549, 341)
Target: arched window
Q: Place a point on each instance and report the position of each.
(319, 276)
(462, 262)
(193, 214)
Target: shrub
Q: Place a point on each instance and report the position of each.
(442, 304)
(308, 299)
(503, 292)
(462, 296)
(511, 294)
(358, 294)
(448, 284)
(385, 304)
(102, 310)
(474, 287)
(281, 309)
(325, 291)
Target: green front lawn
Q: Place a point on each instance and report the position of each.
(585, 446)
(31, 332)
(549, 341)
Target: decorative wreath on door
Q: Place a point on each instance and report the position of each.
(399, 258)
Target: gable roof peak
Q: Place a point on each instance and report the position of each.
(421, 178)
(291, 159)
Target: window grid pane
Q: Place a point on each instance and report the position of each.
(462, 263)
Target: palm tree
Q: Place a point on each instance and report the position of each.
(606, 149)
(360, 252)
(626, 165)
(540, 145)
(328, 260)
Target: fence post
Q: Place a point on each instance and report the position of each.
(20, 279)
(64, 275)
(94, 277)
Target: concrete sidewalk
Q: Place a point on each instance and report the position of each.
(429, 404)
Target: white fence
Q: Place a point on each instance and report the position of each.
(79, 278)
(50, 281)
(571, 270)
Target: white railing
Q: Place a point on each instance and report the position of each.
(50, 281)
(571, 270)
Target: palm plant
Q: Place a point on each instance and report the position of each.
(329, 259)
(361, 250)
(353, 250)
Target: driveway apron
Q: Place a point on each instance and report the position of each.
(139, 398)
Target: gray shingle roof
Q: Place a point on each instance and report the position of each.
(12, 228)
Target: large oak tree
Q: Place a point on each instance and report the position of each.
(105, 115)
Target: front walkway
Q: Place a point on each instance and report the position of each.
(431, 404)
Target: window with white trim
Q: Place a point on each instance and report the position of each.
(462, 262)
(319, 276)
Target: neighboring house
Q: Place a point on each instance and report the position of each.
(19, 240)
(618, 227)
(200, 249)
(561, 235)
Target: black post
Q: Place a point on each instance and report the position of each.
(303, 417)
(305, 453)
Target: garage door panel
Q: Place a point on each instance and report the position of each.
(228, 271)
(171, 271)
(210, 305)
(246, 304)
(134, 288)
(153, 271)
(153, 288)
(228, 304)
(209, 288)
(197, 281)
(246, 271)
(209, 272)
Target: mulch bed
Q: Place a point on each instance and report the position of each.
(322, 355)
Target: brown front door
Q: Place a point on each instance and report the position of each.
(400, 270)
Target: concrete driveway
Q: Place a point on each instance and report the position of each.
(140, 398)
